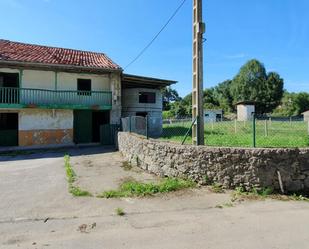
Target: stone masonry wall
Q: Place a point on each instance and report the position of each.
(231, 167)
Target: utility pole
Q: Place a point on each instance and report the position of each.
(197, 92)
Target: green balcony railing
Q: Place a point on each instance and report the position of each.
(55, 98)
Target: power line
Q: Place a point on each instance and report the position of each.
(156, 36)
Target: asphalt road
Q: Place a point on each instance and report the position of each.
(36, 211)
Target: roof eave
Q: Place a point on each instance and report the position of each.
(60, 67)
(130, 78)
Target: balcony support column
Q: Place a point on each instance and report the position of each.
(21, 72)
(56, 81)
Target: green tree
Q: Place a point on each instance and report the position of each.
(223, 95)
(292, 104)
(253, 83)
(273, 91)
(169, 95)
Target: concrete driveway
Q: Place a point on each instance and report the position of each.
(36, 211)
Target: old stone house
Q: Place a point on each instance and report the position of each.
(52, 95)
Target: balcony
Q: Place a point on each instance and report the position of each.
(55, 99)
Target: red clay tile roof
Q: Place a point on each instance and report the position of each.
(22, 52)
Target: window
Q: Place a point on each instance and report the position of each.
(9, 80)
(141, 114)
(147, 97)
(84, 87)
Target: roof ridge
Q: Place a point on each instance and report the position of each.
(47, 46)
(44, 54)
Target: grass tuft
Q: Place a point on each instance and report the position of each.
(259, 194)
(217, 188)
(133, 188)
(71, 177)
(126, 166)
(120, 212)
(76, 191)
(68, 169)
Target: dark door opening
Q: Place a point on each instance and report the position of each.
(9, 84)
(141, 114)
(87, 125)
(8, 129)
(82, 126)
(99, 118)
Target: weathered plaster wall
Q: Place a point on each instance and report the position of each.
(8, 70)
(41, 127)
(131, 105)
(38, 79)
(33, 119)
(68, 81)
(230, 167)
(45, 137)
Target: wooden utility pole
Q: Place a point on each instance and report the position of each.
(197, 92)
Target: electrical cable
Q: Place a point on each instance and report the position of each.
(157, 35)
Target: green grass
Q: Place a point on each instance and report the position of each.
(217, 188)
(254, 194)
(272, 134)
(76, 191)
(68, 169)
(133, 188)
(71, 177)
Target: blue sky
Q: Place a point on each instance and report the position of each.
(274, 31)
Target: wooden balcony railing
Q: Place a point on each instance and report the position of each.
(26, 97)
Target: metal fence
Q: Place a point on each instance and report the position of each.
(135, 124)
(261, 131)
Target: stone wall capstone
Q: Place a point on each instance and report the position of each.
(231, 167)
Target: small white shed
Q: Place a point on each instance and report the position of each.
(306, 115)
(245, 110)
(211, 115)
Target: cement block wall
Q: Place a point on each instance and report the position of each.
(231, 167)
(131, 105)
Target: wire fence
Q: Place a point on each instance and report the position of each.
(260, 131)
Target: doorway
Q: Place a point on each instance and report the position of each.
(8, 129)
(99, 118)
(87, 125)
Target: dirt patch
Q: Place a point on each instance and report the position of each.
(106, 171)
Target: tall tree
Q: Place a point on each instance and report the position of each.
(223, 95)
(169, 95)
(273, 91)
(252, 83)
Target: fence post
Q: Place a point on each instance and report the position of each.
(146, 120)
(235, 126)
(266, 128)
(130, 125)
(291, 121)
(254, 131)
